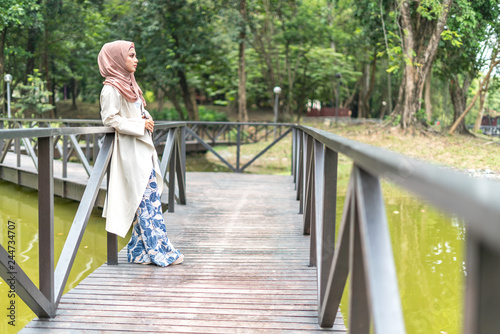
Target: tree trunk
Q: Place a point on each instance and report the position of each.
(30, 48)
(159, 98)
(74, 93)
(242, 96)
(427, 98)
(480, 114)
(191, 107)
(172, 96)
(420, 42)
(458, 97)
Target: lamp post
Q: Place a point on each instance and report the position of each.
(337, 76)
(277, 92)
(8, 80)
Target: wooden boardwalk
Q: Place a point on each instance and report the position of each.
(246, 269)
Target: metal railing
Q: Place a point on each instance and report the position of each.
(207, 134)
(363, 247)
(45, 299)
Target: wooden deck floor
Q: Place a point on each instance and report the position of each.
(246, 269)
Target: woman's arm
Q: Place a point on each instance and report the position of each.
(110, 114)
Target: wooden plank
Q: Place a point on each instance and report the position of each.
(246, 269)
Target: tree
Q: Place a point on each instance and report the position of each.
(422, 23)
(242, 95)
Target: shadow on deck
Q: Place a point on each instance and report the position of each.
(246, 269)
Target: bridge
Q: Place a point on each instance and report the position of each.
(254, 264)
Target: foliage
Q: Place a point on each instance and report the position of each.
(171, 114)
(33, 96)
(298, 45)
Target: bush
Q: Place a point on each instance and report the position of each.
(171, 114)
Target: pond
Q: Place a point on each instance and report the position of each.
(18, 209)
(428, 248)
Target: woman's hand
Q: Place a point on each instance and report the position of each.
(149, 125)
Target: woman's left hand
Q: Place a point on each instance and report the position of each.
(149, 124)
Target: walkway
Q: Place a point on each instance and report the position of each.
(246, 269)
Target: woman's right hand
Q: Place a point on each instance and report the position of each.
(149, 125)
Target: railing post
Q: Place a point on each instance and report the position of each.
(46, 216)
(182, 140)
(300, 167)
(65, 157)
(294, 154)
(308, 184)
(17, 146)
(1, 140)
(171, 177)
(112, 239)
(328, 218)
(482, 291)
(238, 143)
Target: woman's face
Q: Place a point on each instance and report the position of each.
(131, 62)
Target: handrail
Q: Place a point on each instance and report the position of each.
(363, 246)
(44, 301)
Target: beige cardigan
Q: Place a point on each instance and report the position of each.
(134, 157)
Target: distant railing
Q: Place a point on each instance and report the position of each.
(210, 134)
(44, 300)
(207, 134)
(363, 247)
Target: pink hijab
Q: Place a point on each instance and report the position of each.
(111, 62)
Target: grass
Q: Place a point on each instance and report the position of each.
(460, 152)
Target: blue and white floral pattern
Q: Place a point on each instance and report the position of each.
(149, 242)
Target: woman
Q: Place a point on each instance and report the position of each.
(135, 183)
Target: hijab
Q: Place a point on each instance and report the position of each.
(111, 62)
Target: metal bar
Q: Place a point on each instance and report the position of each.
(18, 281)
(359, 314)
(30, 151)
(238, 146)
(111, 238)
(65, 157)
(6, 149)
(167, 153)
(112, 248)
(81, 156)
(381, 276)
(294, 144)
(328, 221)
(182, 140)
(82, 216)
(221, 131)
(46, 217)
(482, 292)
(18, 152)
(1, 140)
(300, 169)
(339, 269)
(171, 178)
(180, 168)
(265, 150)
(208, 147)
(315, 254)
(308, 185)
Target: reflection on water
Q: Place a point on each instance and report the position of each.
(19, 205)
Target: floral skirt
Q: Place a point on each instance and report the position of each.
(149, 242)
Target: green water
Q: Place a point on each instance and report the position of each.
(19, 205)
(427, 247)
